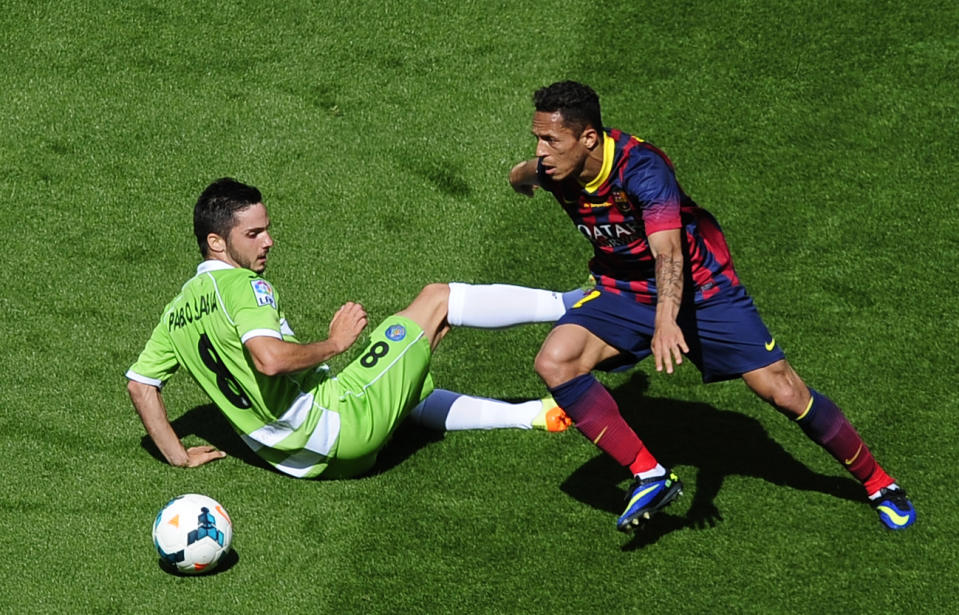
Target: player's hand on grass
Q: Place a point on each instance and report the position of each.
(199, 455)
(347, 324)
(668, 346)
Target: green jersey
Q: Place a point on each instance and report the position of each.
(286, 419)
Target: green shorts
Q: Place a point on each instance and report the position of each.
(377, 391)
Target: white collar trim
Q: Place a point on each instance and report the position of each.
(212, 265)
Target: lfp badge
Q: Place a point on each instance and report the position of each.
(263, 293)
(395, 332)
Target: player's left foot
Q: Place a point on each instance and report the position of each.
(552, 417)
(895, 510)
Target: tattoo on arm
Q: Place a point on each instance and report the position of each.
(669, 278)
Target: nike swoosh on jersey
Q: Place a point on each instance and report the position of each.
(771, 344)
(893, 515)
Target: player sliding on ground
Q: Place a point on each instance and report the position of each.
(665, 285)
(227, 328)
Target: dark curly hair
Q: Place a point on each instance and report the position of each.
(577, 103)
(214, 209)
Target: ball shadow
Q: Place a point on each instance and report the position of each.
(228, 561)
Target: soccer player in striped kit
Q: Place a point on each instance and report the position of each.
(664, 285)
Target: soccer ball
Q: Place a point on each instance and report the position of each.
(192, 532)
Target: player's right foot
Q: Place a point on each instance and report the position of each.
(552, 417)
(648, 497)
(895, 510)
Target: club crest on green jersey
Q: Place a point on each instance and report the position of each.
(396, 332)
(263, 293)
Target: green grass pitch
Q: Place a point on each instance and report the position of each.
(823, 136)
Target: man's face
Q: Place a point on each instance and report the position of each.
(249, 240)
(563, 152)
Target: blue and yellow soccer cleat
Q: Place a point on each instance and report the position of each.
(552, 417)
(895, 510)
(648, 497)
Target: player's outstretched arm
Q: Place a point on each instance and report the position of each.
(523, 176)
(272, 356)
(148, 402)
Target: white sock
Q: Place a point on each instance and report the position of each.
(659, 470)
(875, 494)
(494, 306)
(447, 411)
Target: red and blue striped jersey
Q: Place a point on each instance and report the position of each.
(635, 195)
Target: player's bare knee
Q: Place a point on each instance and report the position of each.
(429, 310)
(553, 366)
(792, 394)
(436, 294)
(432, 302)
(780, 386)
(545, 367)
(783, 397)
(788, 396)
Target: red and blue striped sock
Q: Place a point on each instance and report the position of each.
(595, 414)
(826, 425)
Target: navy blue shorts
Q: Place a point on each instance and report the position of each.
(725, 335)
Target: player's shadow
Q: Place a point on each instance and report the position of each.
(719, 443)
(210, 425)
(408, 438)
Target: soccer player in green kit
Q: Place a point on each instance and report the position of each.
(227, 328)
